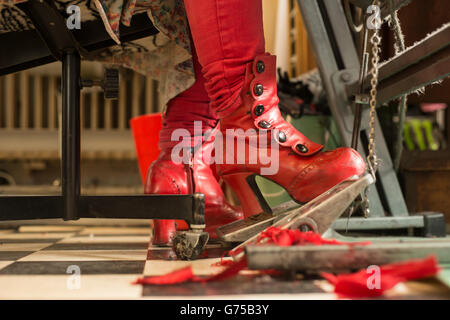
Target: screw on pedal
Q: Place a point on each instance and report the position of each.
(305, 225)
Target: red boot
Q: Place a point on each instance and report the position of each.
(167, 177)
(303, 170)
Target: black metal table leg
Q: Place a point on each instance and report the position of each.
(70, 164)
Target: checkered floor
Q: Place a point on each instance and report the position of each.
(42, 262)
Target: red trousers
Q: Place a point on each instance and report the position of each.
(227, 34)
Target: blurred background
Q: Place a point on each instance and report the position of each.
(30, 107)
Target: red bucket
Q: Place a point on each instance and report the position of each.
(146, 130)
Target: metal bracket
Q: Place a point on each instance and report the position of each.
(361, 98)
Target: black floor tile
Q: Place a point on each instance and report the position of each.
(13, 255)
(236, 286)
(86, 267)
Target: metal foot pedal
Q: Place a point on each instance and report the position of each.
(317, 215)
(241, 230)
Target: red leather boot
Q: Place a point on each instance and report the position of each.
(302, 169)
(167, 177)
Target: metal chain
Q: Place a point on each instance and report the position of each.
(375, 41)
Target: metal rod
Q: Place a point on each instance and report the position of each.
(187, 207)
(70, 166)
(358, 107)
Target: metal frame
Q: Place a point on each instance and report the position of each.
(425, 62)
(51, 41)
(28, 49)
(335, 258)
(339, 65)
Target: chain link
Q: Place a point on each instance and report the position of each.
(375, 41)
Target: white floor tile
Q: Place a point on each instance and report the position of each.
(56, 287)
(199, 267)
(45, 228)
(23, 246)
(112, 230)
(106, 239)
(35, 235)
(86, 255)
(5, 263)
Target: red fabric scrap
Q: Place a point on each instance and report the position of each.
(230, 271)
(278, 236)
(186, 275)
(288, 237)
(223, 263)
(177, 276)
(363, 283)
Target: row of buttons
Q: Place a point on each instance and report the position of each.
(259, 110)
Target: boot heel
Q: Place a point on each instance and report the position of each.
(245, 187)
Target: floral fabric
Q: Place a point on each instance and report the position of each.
(165, 57)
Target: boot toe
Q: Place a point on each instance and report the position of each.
(328, 170)
(353, 161)
(344, 163)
